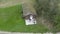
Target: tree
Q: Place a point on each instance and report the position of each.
(48, 9)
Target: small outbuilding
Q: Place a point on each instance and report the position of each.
(29, 12)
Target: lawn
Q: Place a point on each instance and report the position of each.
(11, 20)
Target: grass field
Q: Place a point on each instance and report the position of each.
(11, 20)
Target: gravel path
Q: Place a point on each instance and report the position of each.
(2, 32)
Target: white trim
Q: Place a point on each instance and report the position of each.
(30, 22)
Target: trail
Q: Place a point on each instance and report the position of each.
(4, 4)
(8, 3)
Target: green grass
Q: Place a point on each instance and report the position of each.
(11, 20)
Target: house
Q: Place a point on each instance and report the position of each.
(29, 12)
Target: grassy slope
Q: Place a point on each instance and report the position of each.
(11, 20)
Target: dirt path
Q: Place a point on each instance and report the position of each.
(9, 3)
